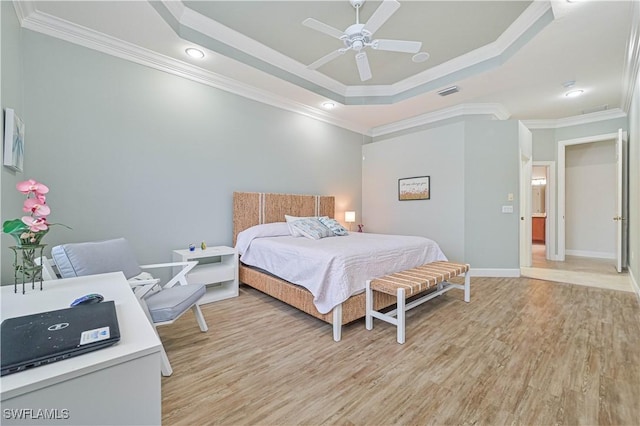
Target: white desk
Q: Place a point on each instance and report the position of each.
(116, 385)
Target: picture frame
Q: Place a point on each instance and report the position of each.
(13, 141)
(414, 188)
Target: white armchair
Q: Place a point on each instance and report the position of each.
(162, 303)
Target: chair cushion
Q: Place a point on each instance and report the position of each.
(170, 303)
(98, 257)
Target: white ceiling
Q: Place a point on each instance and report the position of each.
(508, 58)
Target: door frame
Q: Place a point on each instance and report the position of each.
(562, 146)
(550, 208)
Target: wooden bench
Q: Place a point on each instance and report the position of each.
(411, 282)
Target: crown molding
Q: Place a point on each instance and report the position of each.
(577, 120)
(216, 31)
(35, 20)
(220, 33)
(526, 20)
(496, 111)
(64, 30)
(632, 60)
(23, 9)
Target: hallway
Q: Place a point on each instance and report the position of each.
(585, 271)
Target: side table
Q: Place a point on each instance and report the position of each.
(217, 267)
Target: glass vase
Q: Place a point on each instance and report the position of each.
(28, 238)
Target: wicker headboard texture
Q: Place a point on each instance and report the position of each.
(254, 208)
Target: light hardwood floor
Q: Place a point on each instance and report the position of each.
(523, 352)
(577, 270)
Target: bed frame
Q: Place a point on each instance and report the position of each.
(253, 208)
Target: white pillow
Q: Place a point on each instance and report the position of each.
(311, 228)
(276, 229)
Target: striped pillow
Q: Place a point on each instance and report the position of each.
(310, 227)
(334, 225)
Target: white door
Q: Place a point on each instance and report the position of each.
(620, 214)
(526, 165)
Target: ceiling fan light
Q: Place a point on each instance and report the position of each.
(194, 53)
(574, 93)
(420, 57)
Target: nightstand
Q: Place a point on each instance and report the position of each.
(217, 268)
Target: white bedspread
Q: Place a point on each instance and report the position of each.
(335, 268)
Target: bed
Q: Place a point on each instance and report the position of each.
(347, 304)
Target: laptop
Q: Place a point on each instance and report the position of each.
(39, 339)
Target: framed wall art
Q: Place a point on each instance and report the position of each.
(13, 141)
(414, 188)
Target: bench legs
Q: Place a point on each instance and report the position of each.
(368, 319)
(467, 286)
(397, 316)
(401, 315)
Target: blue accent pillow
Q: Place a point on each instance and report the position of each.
(310, 228)
(290, 219)
(334, 226)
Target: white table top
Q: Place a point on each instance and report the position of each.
(209, 251)
(137, 336)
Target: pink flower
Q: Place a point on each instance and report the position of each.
(35, 224)
(36, 206)
(31, 185)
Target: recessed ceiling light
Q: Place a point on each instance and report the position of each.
(574, 93)
(195, 53)
(420, 57)
(329, 105)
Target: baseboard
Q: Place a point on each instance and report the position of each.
(490, 272)
(588, 253)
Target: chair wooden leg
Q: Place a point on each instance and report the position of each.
(200, 318)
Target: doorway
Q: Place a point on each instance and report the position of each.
(543, 195)
(577, 256)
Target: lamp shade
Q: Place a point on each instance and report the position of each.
(349, 217)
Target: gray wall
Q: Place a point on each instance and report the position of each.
(436, 152)
(12, 97)
(591, 199)
(491, 161)
(131, 151)
(473, 165)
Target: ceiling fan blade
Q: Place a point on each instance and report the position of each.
(380, 16)
(322, 27)
(327, 58)
(363, 66)
(397, 45)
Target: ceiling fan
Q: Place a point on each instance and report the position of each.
(359, 36)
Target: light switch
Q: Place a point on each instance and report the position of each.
(510, 196)
(507, 209)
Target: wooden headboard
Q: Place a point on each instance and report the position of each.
(254, 208)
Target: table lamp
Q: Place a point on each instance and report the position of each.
(349, 217)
